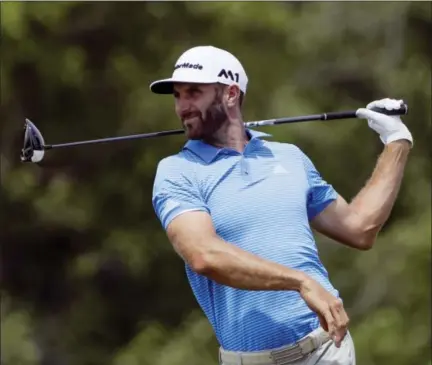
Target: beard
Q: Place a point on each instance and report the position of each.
(206, 123)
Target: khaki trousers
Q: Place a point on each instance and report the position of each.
(314, 349)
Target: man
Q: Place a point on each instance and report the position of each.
(240, 210)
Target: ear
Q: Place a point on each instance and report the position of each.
(232, 96)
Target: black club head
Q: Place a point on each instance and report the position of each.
(33, 147)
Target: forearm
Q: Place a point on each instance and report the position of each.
(229, 265)
(375, 201)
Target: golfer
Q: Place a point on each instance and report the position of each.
(239, 210)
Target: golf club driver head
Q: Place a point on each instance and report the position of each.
(33, 147)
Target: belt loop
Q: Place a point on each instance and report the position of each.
(239, 359)
(316, 340)
(319, 337)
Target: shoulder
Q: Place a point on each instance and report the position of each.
(178, 167)
(292, 154)
(288, 149)
(170, 162)
(176, 162)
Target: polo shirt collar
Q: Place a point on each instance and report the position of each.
(208, 152)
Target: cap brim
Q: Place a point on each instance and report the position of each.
(162, 86)
(166, 86)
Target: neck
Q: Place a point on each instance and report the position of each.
(232, 134)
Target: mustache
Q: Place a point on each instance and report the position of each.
(189, 114)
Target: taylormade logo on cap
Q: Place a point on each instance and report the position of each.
(204, 65)
(188, 65)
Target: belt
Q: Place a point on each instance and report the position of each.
(280, 356)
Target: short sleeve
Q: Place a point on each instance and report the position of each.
(174, 192)
(320, 193)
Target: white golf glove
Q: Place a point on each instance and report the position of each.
(389, 127)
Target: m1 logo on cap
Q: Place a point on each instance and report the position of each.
(195, 66)
(229, 74)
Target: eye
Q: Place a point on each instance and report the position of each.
(176, 94)
(195, 91)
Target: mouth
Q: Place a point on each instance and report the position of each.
(188, 121)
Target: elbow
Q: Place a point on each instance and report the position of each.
(365, 244)
(366, 240)
(205, 259)
(362, 233)
(201, 264)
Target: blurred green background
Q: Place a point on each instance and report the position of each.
(88, 276)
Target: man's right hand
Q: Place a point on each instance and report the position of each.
(330, 309)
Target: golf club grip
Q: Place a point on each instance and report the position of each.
(401, 111)
(352, 113)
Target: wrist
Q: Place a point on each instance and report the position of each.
(301, 281)
(399, 145)
(403, 135)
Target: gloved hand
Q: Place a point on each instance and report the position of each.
(390, 128)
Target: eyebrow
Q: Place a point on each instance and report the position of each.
(189, 89)
(193, 88)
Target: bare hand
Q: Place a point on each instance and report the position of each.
(329, 309)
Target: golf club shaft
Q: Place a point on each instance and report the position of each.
(114, 139)
(306, 118)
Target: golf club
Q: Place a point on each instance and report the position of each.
(34, 144)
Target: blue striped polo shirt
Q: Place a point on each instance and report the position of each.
(260, 200)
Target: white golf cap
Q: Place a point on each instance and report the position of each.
(204, 65)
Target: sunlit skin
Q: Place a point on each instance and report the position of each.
(211, 112)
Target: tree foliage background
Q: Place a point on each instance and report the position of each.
(88, 276)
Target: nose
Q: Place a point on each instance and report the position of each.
(183, 105)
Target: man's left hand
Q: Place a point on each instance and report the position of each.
(389, 127)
